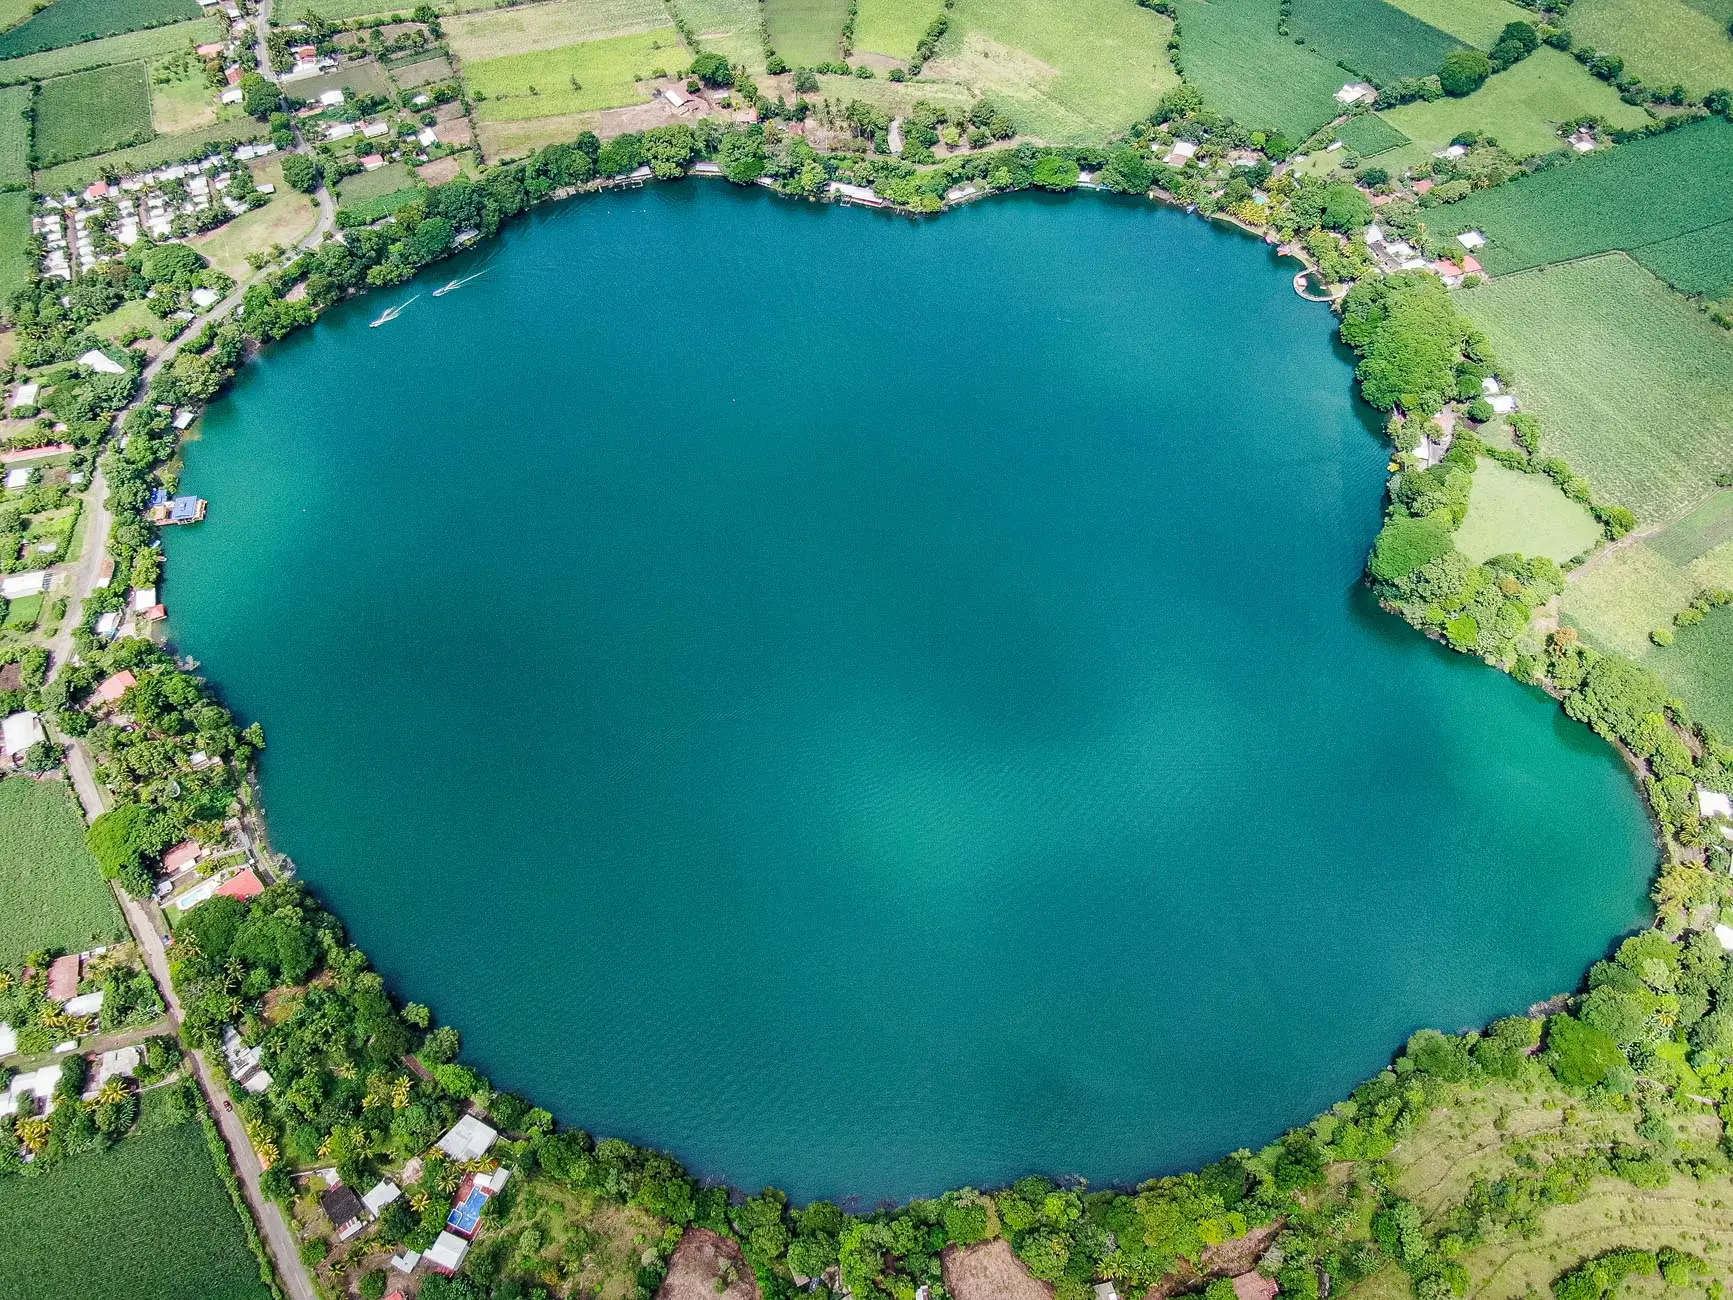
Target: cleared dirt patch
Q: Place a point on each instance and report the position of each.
(700, 1263)
(990, 1271)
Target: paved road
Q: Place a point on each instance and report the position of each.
(142, 918)
(261, 29)
(279, 1239)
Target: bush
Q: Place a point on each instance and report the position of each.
(1579, 1055)
(301, 172)
(1464, 72)
(1405, 544)
(1055, 173)
(713, 70)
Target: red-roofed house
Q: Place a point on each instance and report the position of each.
(180, 857)
(209, 50)
(233, 75)
(243, 886)
(1470, 266)
(96, 190)
(306, 53)
(155, 614)
(63, 978)
(373, 162)
(1255, 1286)
(112, 688)
(1421, 187)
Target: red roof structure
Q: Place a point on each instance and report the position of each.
(96, 190)
(180, 857)
(243, 886)
(1471, 266)
(1255, 1286)
(112, 688)
(233, 75)
(63, 978)
(1421, 187)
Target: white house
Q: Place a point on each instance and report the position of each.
(233, 95)
(85, 1004)
(331, 98)
(1471, 240)
(383, 1193)
(23, 585)
(24, 395)
(101, 362)
(1183, 151)
(1356, 92)
(468, 1139)
(446, 1254)
(143, 598)
(17, 479)
(19, 732)
(1503, 404)
(1712, 803)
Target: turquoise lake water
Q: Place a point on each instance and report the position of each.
(871, 706)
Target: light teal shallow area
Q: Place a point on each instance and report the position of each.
(873, 705)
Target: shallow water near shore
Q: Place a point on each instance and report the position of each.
(871, 705)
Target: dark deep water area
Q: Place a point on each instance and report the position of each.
(872, 705)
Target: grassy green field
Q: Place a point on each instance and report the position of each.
(1631, 382)
(1229, 50)
(51, 894)
(492, 34)
(1071, 73)
(1477, 22)
(1369, 135)
(163, 149)
(422, 72)
(805, 32)
(134, 314)
(288, 218)
(1628, 591)
(15, 264)
(181, 99)
(92, 112)
(148, 1219)
(1661, 41)
(372, 207)
(1377, 40)
(728, 27)
(1521, 108)
(1699, 667)
(370, 185)
(1646, 192)
(13, 12)
(67, 22)
(893, 26)
(1526, 514)
(605, 73)
(113, 49)
(14, 136)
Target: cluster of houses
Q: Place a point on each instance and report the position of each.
(31, 1092)
(142, 203)
(466, 1142)
(1399, 255)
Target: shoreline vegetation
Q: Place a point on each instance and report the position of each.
(1639, 1060)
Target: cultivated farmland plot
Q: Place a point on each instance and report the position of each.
(1069, 73)
(1369, 135)
(1636, 195)
(148, 1219)
(52, 895)
(729, 27)
(1522, 108)
(154, 153)
(1232, 54)
(1661, 41)
(68, 22)
(14, 136)
(1632, 383)
(892, 27)
(805, 32)
(1377, 40)
(16, 265)
(1475, 22)
(573, 78)
(92, 112)
(175, 39)
(527, 28)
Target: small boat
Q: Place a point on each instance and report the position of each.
(390, 314)
(458, 284)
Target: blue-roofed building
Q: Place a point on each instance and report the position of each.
(165, 509)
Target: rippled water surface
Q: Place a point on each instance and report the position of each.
(873, 705)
